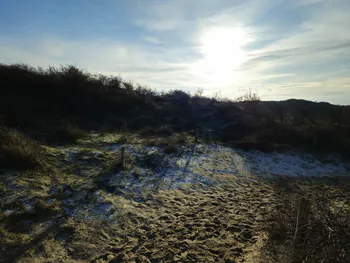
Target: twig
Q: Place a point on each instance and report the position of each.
(297, 224)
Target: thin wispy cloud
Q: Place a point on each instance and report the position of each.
(279, 48)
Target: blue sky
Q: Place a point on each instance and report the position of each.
(279, 48)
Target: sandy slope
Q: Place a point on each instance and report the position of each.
(204, 205)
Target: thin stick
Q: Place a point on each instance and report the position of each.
(122, 157)
(297, 224)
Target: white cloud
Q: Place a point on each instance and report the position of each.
(306, 60)
(151, 40)
(309, 2)
(318, 48)
(155, 67)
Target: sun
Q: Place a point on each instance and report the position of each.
(222, 52)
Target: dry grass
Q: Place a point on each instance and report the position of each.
(19, 152)
(66, 133)
(312, 223)
(115, 164)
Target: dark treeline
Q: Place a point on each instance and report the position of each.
(49, 104)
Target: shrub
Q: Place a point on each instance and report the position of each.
(18, 152)
(142, 121)
(249, 96)
(165, 131)
(115, 123)
(331, 140)
(275, 133)
(148, 131)
(235, 131)
(66, 134)
(311, 225)
(179, 97)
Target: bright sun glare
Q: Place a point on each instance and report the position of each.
(222, 50)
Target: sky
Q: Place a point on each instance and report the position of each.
(279, 49)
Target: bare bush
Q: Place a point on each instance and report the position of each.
(312, 225)
(249, 96)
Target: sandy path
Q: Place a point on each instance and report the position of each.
(207, 205)
(218, 224)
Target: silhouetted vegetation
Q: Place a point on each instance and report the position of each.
(312, 223)
(60, 105)
(18, 152)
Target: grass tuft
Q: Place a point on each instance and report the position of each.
(19, 152)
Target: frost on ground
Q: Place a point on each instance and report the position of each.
(276, 163)
(202, 203)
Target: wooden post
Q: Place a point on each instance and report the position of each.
(197, 135)
(122, 157)
(302, 221)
